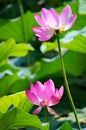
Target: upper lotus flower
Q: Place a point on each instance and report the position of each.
(44, 95)
(50, 21)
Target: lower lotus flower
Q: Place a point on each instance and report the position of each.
(44, 95)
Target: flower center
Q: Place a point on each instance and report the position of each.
(42, 104)
(61, 29)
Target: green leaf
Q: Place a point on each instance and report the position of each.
(21, 50)
(18, 100)
(66, 126)
(82, 6)
(9, 67)
(13, 29)
(74, 40)
(18, 118)
(74, 67)
(48, 46)
(5, 47)
(8, 73)
(78, 44)
(19, 78)
(9, 48)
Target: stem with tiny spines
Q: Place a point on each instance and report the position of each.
(66, 82)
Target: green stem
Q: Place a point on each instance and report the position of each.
(46, 115)
(6, 12)
(23, 21)
(66, 83)
(23, 26)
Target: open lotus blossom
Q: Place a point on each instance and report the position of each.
(50, 21)
(44, 95)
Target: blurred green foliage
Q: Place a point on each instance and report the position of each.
(36, 61)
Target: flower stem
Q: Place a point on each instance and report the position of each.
(66, 83)
(23, 21)
(6, 12)
(24, 29)
(46, 115)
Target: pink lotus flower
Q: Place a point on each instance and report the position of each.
(44, 95)
(50, 21)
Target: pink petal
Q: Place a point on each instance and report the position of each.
(44, 13)
(49, 88)
(51, 111)
(37, 110)
(53, 100)
(71, 22)
(37, 30)
(32, 97)
(32, 87)
(39, 20)
(53, 19)
(39, 89)
(46, 37)
(42, 92)
(45, 91)
(61, 90)
(43, 34)
(65, 15)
